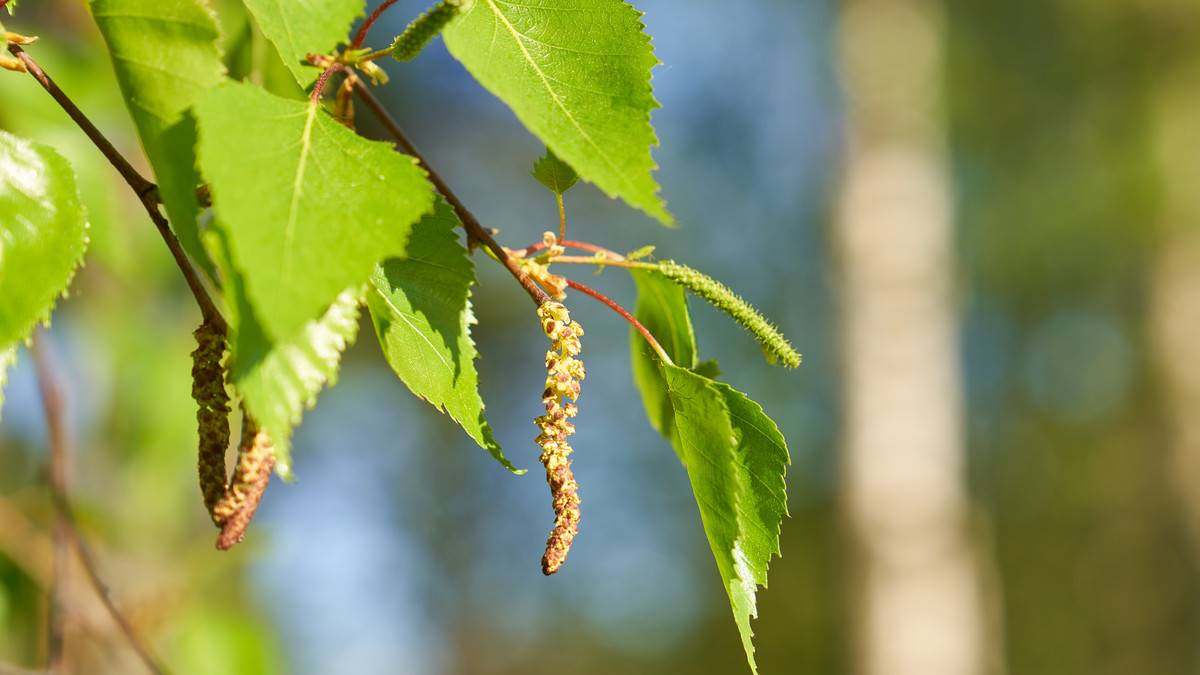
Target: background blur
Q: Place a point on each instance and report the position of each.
(977, 220)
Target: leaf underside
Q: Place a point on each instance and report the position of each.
(165, 55)
(43, 234)
(279, 379)
(577, 75)
(310, 206)
(555, 174)
(421, 309)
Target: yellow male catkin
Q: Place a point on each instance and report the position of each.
(563, 373)
(212, 413)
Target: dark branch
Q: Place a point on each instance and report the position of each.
(475, 231)
(145, 190)
(52, 401)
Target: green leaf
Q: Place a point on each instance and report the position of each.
(554, 173)
(43, 234)
(662, 309)
(421, 308)
(165, 56)
(310, 206)
(279, 379)
(298, 27)
(736, 460)
(577, 74)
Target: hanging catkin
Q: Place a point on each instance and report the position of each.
(563, 374)
(256, 459)
(212, 412)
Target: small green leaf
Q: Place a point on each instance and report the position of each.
(662, 309)
(577, 74)
(43, 234)
(736, 461)
(165, 56)
(554, 173)
(421, 308)
(279, 379)
(300, 27)
(310, 206)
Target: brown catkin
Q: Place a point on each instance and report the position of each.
(563, 374)
(212, 413)
(256, 459)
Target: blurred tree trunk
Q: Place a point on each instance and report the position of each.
(1175, 318)
(919, 608)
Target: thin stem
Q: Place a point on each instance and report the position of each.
(54, 404)
(475, 231)
(602, 262)
(612, 304)
(146, 191)
(319, 87)
(376, 55)
(562, 216)
(361, 36)
(581, 245)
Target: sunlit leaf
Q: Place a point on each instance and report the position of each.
(43, 234)
(577, 74)
(300, 27)
(310, 206)
(165, 56)
(421, 308)
(736, 460)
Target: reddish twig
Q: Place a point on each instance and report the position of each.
(146, 191)
(475, 231)
(581, 245)
(361, 36)
(612, 304)
(319, 87)
(53, 403)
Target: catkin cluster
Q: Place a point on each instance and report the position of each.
(774, 344)
(212, 412)
(564, 371)
(418, 33)
(231, 503)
